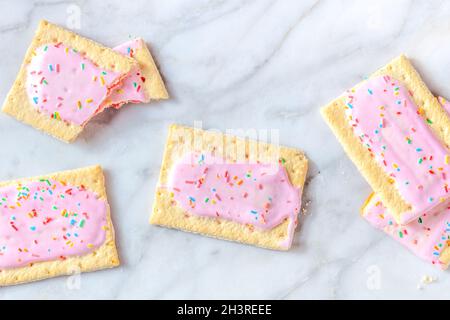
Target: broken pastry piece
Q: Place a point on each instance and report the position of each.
(63, 81)
(230, 188)
(144, 82)
(396, 133)
(54, 225)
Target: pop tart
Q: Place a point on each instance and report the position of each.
(54, 225)
(428, 237)
(64, 81)
(230, 188)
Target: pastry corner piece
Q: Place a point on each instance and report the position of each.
(428, 237)
(54, 225)
(396, 133)
(154, 85)
(230, 188)
(63, 81)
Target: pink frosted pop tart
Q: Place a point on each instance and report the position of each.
(428, 237)
(144, 82)
(55, 225)
(230, 188)
(396, 133)
(63, 81)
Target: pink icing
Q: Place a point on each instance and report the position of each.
(48, 220)
(132, 87)
(66, 85)
(253, 194)
(427, 236)
(391, 127)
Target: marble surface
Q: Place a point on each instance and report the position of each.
(234, 64)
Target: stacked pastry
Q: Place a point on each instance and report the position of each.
(397, 134)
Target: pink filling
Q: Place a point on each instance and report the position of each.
(255, 194)
(66, 85)
(391, 127)
(48, 220)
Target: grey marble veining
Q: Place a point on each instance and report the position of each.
(234, 64)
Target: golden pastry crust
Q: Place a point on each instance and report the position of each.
(184, 139)
(154, 84)
(105, 256)
(17, 103)
(445, 256)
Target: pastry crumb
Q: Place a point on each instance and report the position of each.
(305, 207)
(426, 280)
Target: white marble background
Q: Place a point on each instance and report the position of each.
(234, 64)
